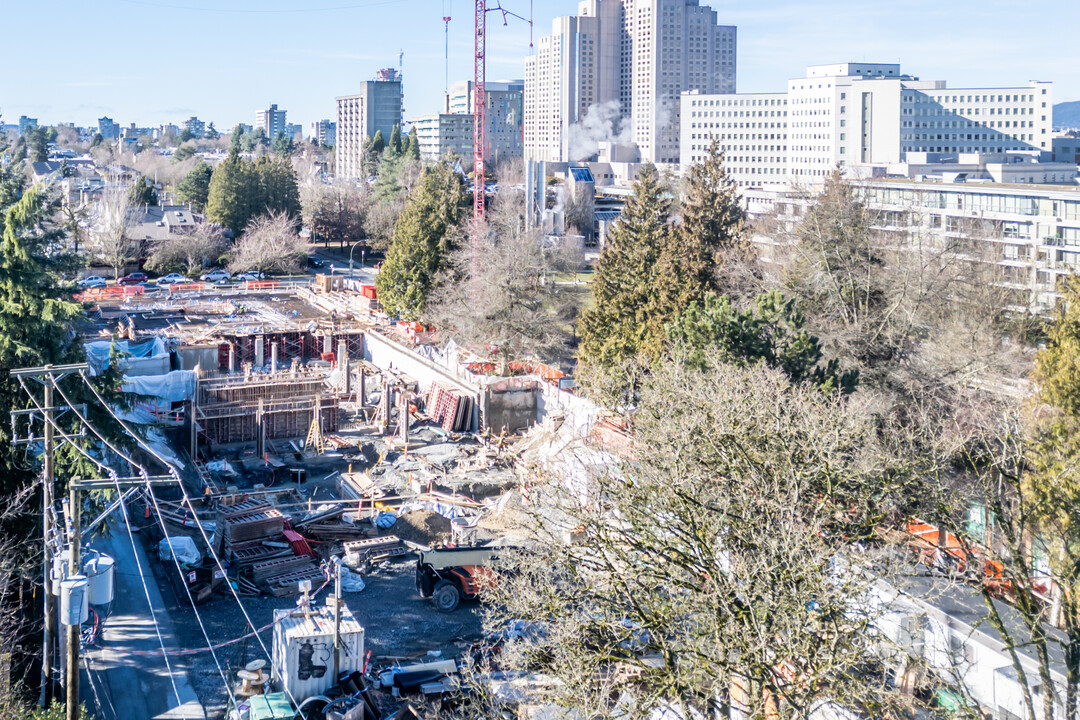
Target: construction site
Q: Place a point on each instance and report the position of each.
(317, 450)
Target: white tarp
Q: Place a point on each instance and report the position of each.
(157, 395)
(183, 547)
(152, 349)
(175, 386)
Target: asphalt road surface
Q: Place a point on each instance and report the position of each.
(117, 685)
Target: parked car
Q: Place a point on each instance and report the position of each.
(216, 276)
(173, 279)
(249, 275)
(314, 262)
(135, 278)
(93, 281)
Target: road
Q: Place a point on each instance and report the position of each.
(119, 685)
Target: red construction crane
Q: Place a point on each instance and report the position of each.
(480, 101)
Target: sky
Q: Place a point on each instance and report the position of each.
(152, 62)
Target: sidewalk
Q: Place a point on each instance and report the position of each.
(129, 686)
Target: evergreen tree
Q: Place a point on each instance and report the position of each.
(195, 187)
(771, 332)
(142, 193)
(211, 132)
(423, 238)
(236, 141)
(613, 330)
(691, 261)
(184, 136)
(413, 151)
(378, 143)
(34, 321)
(242, 189)
(395, 140)
(227, 198)
(283, 144)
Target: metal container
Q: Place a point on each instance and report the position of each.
(303, 653)
(74, 600)
(99, 571)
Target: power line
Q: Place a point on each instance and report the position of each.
(165, 532)
(263, 11)
(135, 552)
(195, 516)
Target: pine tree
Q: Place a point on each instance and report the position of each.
(195, 187)
(395, 140)
(423, 238)
(414, 145)
(142, 193)
(691, 261)
(226, 202)
(34, 321)
(378, 143)
(614, 329)
(771, 332)
(242, 189)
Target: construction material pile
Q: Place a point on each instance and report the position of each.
(451, 409)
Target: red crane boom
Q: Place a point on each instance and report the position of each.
(479, 111)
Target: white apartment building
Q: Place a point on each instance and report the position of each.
(272, 121)
(865, 114)
(376, 107)
(444, 134)
(615, 72)
(324, 132)
(505, 119)
(1032, 232)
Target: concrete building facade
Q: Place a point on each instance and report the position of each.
(195, 126)
(615, 73)
(376, 107)
(862, 114)
(443, 134)
(505, 116)
(108, 129)
(324, 132)
(1031, 232)
(272, 121)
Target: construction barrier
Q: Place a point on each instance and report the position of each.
(261, 284)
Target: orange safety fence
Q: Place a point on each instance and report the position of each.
(260, 284)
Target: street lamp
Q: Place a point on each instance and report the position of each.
(351, 255)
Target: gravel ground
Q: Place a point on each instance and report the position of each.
(399, 625)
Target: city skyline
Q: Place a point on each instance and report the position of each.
(150, 75)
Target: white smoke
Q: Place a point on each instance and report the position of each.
(602, 123)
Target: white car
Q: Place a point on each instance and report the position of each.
(173, 279)
(249, 275)
(93, 281)
(216, 276)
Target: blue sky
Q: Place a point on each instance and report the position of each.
(156, 61)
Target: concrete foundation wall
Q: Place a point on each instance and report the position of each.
(510, 404)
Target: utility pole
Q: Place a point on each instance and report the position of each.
(47, 667)
(47, 376)
(74, 632)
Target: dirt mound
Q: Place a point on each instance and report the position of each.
(424, 527)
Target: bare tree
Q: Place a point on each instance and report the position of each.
(112, 217)
(724, 571)
(270, 243)
(187, 252)
(503, 290)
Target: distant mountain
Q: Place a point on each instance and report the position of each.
(1067, 114)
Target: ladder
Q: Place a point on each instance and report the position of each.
(315, 439)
